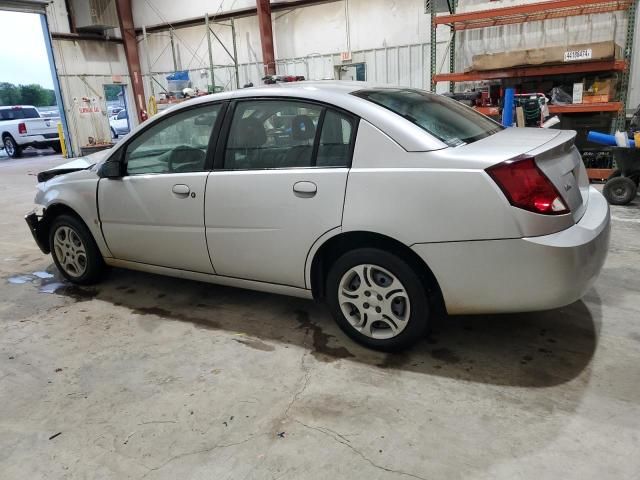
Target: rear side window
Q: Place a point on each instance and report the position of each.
(18, 113)
(267, 134)
(444, 118)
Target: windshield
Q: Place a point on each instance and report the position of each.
(18, 113)
(444, 118)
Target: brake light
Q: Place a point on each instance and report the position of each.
(22, 128)
(527, 187)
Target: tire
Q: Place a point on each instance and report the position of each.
(67, 236)
(400, 300)
(620, 190)
(114, 134)
(11, 147)
(57, 147)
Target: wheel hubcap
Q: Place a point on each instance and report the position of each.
(8, 146)
(374, 301)
(70, 251)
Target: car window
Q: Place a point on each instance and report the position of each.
(444, 118)
(175, 144)
(335, 140)
(18, 113)
(272, 134)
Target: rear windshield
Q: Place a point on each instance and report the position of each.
(18, 113)
(444, 118)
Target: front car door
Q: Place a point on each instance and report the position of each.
(278, 185)
(154, 214)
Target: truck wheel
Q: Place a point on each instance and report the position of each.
(11, 147)
(620, 190)
(114, 134)
(57, 147)
(74, 250)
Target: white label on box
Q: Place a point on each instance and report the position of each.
(573, 55)
(577, 92)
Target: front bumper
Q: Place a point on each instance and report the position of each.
(36, 227)
(525, 274)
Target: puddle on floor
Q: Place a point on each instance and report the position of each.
(52, 283)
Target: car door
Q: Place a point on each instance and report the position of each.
(154, 213)
(277, 186)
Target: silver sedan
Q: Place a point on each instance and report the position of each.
(387, 203)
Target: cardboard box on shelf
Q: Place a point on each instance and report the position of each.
(540, 56)
(600, 91)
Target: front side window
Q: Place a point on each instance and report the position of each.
(268, 134)
(444, 118)
(176, 144)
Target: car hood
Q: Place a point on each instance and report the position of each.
(82, 163)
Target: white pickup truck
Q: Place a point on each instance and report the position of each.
(21, 126)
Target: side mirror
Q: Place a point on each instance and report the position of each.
(111, 169)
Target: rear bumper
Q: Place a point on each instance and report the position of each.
(39, 233)
(36, 141)
(526, 274)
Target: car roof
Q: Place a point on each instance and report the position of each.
(9, 107)
(337, 93)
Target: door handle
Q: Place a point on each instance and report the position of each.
(181, 189)
(305, 189)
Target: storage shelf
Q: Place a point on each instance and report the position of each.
(571, 108)
(599, 173)
(533, 71)
(529, 13)
(586, 107)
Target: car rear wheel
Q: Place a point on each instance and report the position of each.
(378, 299)
(620, 190)
(11, 147)
(74, 251)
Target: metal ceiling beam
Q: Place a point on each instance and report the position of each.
(125, 17)
(243, 12)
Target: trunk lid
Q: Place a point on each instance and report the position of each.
(554, 152)
(561, 162)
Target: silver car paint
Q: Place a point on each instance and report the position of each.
(143, 220)
(404, 183)
(258, 228)
(518, 275)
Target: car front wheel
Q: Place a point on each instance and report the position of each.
(378, 299)
(74, 251)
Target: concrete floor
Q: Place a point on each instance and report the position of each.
(152, 377)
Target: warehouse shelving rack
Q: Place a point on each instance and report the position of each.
(539, 11)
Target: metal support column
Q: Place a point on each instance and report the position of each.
(56, 84)
(235, 52)
(434, 45)
(127, 28)
(452, 49)
(266, 36)
(147, 54)
(621, 119)
(173, 51)
(210, 50)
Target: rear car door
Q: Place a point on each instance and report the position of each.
(154, 214)
(277, 186)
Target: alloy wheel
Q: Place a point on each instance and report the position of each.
(374, 301)
(70, 251)
(8, 147)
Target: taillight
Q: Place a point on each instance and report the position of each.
(22, 128)
(527, 187)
